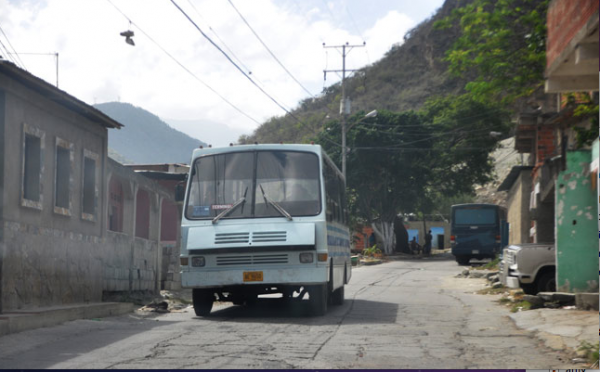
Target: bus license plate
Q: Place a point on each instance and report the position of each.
(253, 276)
(476, 251)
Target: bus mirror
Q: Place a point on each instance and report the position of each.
(180, 192)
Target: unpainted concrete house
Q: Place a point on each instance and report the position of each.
(74, 224)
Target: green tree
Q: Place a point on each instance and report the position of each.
(404, 162)
(502, 47)
(387, 161)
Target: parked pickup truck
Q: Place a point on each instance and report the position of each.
(529, 266)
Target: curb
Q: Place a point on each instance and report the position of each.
(23, 320)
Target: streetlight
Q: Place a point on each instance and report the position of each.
(371, 114)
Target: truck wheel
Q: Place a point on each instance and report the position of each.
(529, 288)
(203, 301)
(338, 296)
(463, 260)
(318, 299)
(546, 282)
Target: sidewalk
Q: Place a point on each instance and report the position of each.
(560, 329)
(23, 320)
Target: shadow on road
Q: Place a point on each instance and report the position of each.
(56, 345)
(276, 310)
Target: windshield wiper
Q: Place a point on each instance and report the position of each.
(241, 201)
(275, 205)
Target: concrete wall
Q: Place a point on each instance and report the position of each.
(418, 225)
(53, 255)
(518, 209)
(576, 210)
(142, 258)
(25, 110)
(50, 255)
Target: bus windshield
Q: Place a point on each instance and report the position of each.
(252, 179)
(474, 216)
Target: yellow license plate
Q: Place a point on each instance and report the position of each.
(253, 276)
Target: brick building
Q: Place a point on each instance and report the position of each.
(563, 200)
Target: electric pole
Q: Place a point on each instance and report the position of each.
(345, 103)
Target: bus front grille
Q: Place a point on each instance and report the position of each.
(257, 259)
(269, 236)
(228, 238)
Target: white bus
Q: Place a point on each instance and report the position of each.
(264, 219)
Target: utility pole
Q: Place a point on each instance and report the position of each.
(345, 103)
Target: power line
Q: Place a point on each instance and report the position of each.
(359, 33)
(269, 50)
(14, 50)
(185, 68)
(234, 64)
(218, 38)
(9, 55)
(227, 47)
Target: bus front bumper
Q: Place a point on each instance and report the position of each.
(208, 278)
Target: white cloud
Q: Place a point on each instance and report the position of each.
(388, 31)
(97, 66)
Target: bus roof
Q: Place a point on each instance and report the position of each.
(475, 205)
(241, 148)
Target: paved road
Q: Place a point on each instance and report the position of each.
(402, 314)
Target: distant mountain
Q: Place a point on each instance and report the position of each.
(145, 139)
(216, 134)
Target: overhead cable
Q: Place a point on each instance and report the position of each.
(233, 63)
(185, 68)
(269, 50)
(14, 50)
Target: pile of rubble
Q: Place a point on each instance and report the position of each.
(168, 301)
(492, 276)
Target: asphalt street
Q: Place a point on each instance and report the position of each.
(401, 314)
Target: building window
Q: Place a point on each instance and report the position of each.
(63, 177)
(142, 214)
(33, 149)
(115, 205)
(90, 190)
(170, 223)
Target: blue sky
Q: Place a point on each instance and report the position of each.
(96, 65)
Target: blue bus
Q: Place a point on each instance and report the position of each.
(265, 219)
(476, 231)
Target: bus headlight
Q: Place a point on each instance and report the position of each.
(198, 261)
(306, 257)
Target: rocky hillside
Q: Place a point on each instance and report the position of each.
(505, 157)
(402, 80)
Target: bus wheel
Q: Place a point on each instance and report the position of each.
(338, 296)
(317, 298)
(463, 260)
(203, 301)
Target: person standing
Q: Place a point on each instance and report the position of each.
(427, 247)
